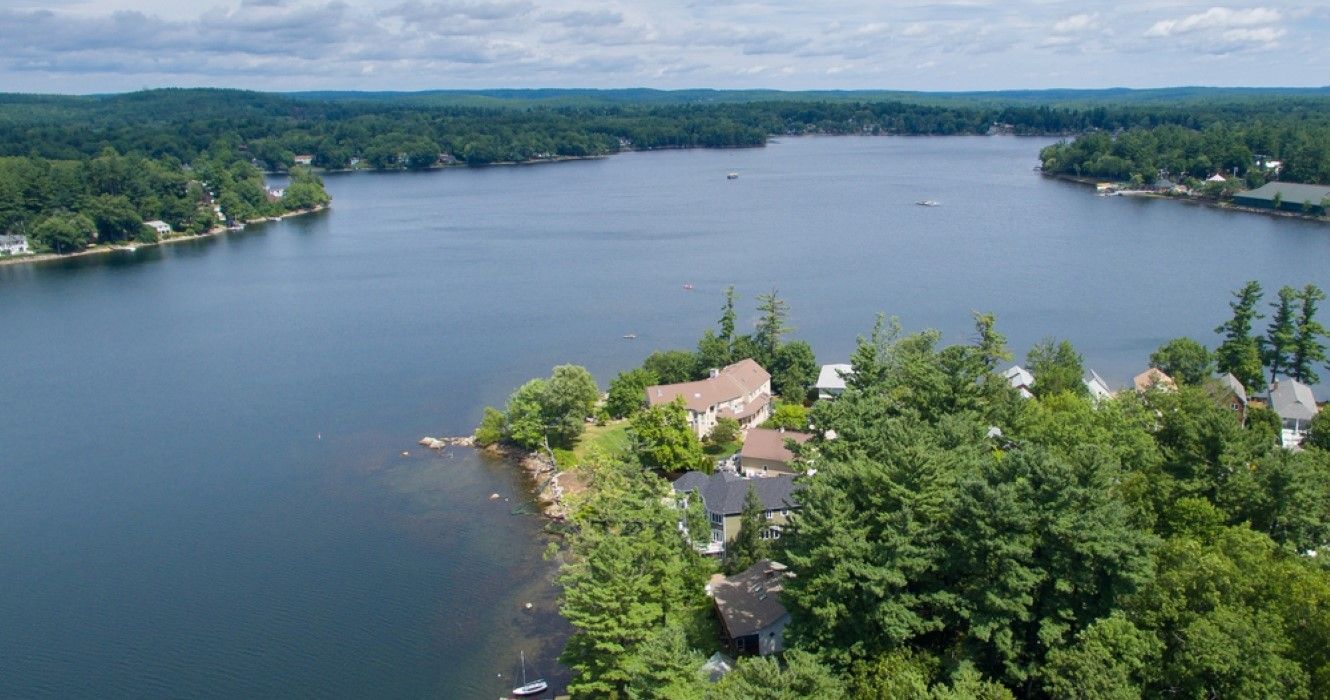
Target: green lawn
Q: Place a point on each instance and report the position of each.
(611, 438)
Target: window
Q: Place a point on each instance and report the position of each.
(770, 533)
(768, 514)
(717, 535)
(717, 519)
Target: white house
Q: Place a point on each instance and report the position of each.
(1097, 387)
(161, 227)
(1021, 380)
(831, 380)
(741, 391)
(1295, 404)
(304, 159)
(14, 244)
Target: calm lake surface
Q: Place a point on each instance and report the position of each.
(202, 491)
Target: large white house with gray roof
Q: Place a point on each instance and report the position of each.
(1296, 406)
(741, 391)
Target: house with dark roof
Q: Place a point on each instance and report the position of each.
(741, 391)
(764, 452)
(748, 603)
(1228, 392)
(1296, 406)
(723, 495)
(1286, 196)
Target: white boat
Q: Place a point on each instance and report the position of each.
(927, 203)
(535, 687)
(732, 175)
(630, 336)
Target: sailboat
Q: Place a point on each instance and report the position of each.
(532, 688)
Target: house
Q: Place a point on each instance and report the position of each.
(741, 391)
(1097, 387)
(748, 603)
(831, 380)
(1228, 392)
(723, 495)
(1216, 178)
(14, 244)
(1286, 196)
(304, 159)
(276, 192)
(1153, 379)
(160, 227)
(1295, 405)
(764, 452)
(1021, 380)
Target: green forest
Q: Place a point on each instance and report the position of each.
(1153, 544)
(77, 169)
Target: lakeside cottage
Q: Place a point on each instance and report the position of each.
(1097, 387)
(304, 159)
(764, 452)
(1286, 196)
(160, 227)
(723, 495)
(1296, 406)
(831, 380)
(741, 391)
(748, 604)
(14, 244)
(1153, 378)
(1228, 392)
(1021, 380)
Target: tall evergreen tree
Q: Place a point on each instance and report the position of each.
(772, 325)
(1056, 367)
(1240, 353)
(1308, 341)
(1280, 336)
(748, 547)
(727, 316)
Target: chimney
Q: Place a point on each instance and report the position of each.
(713, 372)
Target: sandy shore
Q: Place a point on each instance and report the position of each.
(107, 248)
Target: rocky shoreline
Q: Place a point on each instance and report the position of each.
(550, 486)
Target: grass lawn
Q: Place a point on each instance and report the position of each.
(611, 438)
(725, 450)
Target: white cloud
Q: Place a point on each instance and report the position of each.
(1075, 23)
(1215, 18)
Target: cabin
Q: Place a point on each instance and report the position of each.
(1021, 380)
(764, 452)
(831, 380)
(304, 159)
(1286, 196)
(1296, 406)
(752, 617)
(1228, 392)
(1153, 378)
(723, 495)
(161, 228)
(741, 391)
(14, 244)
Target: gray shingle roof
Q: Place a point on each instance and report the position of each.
(1293, 400)
(1291, 192)
(724, 492)
(749, 601)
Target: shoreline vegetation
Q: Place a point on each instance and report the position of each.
(133, 246)
(1125, 189)
(955, 534)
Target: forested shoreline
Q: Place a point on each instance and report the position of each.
(78, 169)
(957, 540)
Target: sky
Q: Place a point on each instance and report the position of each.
(82, 46)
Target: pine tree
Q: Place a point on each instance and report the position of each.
(1308, 348)
(772, 325)
(1280, 336)
(1240, 353)
(748, 546)
(727, 317)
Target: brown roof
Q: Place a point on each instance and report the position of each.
(761, 443)
(749, 601)
(1153, 378)
(732, 382)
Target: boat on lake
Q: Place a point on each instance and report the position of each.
(927, 203)
(630, 336)
(732, 175)
(535, 687)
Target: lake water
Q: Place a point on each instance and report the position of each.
(202, 491)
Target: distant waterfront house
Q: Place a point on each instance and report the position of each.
(1286, 196)
(276, 192)
(1153, 378)
(1295, 405)
(752, 617)
(1097, 387)
(741, 391)
(831, 380)
(723, 495)
(304, 159)
(1216, 178)
(14, 244)
(160, 227)
(764, 452)
(1021, 380)
(1228, 392)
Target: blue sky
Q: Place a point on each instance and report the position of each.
(116, 45)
